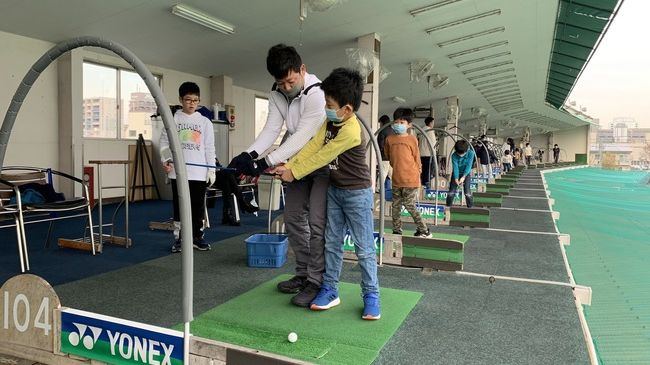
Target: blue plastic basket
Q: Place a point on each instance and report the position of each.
(267, 250)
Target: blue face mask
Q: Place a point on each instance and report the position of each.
(331, 115)
(399, 128)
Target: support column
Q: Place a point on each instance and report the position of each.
(70, 92)
(453, 111)
(369, 112)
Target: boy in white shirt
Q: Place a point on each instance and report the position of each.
(197, 142)
(506, 160)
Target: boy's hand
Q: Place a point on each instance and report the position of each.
(287, 175)
(277, 171)
(168, 166)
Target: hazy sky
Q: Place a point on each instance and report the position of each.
(616, 82)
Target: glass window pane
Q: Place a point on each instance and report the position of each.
(137, 106)
(261, 113)
(99, 101)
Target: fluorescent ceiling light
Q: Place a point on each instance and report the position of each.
(472, 36)
(202, 18)
(462, 21)
(491, 73)
(493, 80)
(487, 67)
(500, 93)
(477, 49)
(496, 55)
(509, 88)
(433, 6)
(497, 84)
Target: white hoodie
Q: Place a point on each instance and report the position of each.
(197, 142)
(303, 117)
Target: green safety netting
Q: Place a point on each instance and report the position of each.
(607, 214)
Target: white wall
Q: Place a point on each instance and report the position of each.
(572, 141)
(34, 138)
(245, 127)
(540, 142)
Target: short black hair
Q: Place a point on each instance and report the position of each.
(507, 152)
(461, 146)
(345, 86)
(403, 113)
(281, 59)
(384, 119)
(189, 88)
(428, 121)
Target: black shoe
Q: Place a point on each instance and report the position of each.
(229, 219)
(201, 245)
(176, 247)
(293, 285)
(397, 231)
(248, 207)
(306, 295)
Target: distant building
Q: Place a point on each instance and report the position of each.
(100, 117)
(622, 146)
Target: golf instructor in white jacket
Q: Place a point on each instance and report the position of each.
(297, 102)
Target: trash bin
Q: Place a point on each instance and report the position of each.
(264, 192)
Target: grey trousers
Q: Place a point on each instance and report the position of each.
(304, 217)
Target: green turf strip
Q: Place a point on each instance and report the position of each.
(433, 253)
(444, 236)
(465, 217)
(263, 317)
(481, 199)
(496, 190)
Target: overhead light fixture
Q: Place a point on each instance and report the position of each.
(433, 6)
(487, 67)
(202, 18)
(472, 36)
(462, 21)
(491, 73)
(477, 49)
(496, 85)
(493, 91)
(398, 99)
(494, 80)
(496, 55)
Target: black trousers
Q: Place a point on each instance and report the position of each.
(197, 202)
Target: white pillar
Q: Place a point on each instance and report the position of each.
(370, 111)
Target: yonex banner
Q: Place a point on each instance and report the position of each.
(427, 211)
(430, 194)
(348, 244)
(118, 341)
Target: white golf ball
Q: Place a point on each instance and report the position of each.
(293, 337)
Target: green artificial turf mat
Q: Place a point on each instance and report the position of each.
(433, 253)
(443, 236)
(465, 217)
(481, 199)
(262, 318)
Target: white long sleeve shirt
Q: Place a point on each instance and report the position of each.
(197, 142)
(303, 117)
(425, 150)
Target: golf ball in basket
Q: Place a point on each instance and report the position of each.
(293, 337)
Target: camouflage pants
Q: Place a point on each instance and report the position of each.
(406, 197)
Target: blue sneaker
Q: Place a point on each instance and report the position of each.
(371, 307)
(326, 299)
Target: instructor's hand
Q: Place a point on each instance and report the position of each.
(241, 161)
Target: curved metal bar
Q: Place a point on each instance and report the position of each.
(431, 147)
(181, 172)
(488, 152)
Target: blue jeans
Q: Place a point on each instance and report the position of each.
(350, 209)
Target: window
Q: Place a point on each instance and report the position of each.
(116, 103)
(261, 113)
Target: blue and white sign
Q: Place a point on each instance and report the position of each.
(118, 341)
(348, 244)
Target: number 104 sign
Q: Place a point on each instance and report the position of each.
(26, 309)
